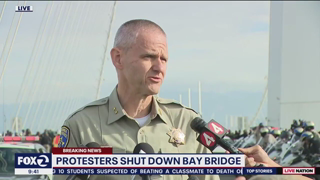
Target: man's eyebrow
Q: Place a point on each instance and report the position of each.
(154, 55)
(149, 54)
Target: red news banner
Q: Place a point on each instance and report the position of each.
(105, 150)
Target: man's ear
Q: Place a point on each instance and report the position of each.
(116, 58)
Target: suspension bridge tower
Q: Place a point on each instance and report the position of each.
(294, 61)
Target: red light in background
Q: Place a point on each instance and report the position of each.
(19, 139)
(32, 138)
(16, 138)
(7, 138)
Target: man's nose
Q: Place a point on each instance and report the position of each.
(159, 65)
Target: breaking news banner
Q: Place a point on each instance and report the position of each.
(101, 161)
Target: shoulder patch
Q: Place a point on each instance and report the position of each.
(94, 103)
(64, 137)
(171, 101)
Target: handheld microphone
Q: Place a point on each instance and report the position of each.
(93, 145)
(143, 148)
(83, 177)
(212, 134)
(193, 178)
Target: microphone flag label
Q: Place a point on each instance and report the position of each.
(208, 139)
(216, 128)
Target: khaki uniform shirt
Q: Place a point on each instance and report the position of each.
(105, 122)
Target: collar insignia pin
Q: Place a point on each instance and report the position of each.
(176, 137)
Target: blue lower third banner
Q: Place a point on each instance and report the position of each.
(163, 171)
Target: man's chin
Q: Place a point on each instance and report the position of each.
(153, 91)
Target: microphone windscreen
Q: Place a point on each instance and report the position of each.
(197, 124)
(93, 145)
(193, 178)
(143, 148)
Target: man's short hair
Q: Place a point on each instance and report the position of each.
(129, 31)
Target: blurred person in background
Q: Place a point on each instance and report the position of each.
(309, 126)
(294, 125)
(245, 134)
(276, 133)
(23, 133)
(55, 141)
(297, 133)
(311, 144)
(8, 133)
(301, 122)
(267, 138)
(46, 141)
(28, 133)
(236, 134)
(285, 135)
(257, 133)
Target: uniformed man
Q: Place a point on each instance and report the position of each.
(133, 113)
(311, 143)
(267, 138)
(257, 133)
(294, 125)
(55, 141)
(276, 133)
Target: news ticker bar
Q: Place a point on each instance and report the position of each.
(170, 171)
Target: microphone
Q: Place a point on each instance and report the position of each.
(83, 177)
(212, 134)
(143, 148)
(93, 145)
(193, 178)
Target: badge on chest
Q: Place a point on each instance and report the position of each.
(176, 137)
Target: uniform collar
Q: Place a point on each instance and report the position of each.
(116, 111)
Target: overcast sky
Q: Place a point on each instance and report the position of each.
(222, 44)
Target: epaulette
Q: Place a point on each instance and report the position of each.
(172, 101)
(94, 103)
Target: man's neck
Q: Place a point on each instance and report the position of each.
(135, 105)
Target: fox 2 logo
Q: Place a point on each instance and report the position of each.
(33, 160)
